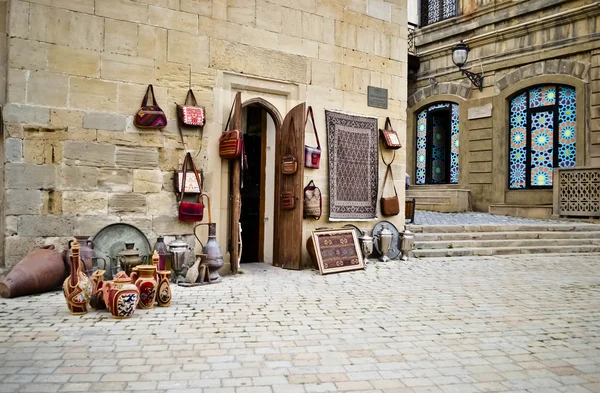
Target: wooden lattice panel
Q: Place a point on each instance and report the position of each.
(579, 192)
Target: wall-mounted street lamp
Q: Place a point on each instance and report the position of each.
(460, 54)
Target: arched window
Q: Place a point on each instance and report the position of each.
(542, 135)
(437, 144)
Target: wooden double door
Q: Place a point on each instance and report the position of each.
(287, 226)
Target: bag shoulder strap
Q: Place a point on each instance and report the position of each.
(230, 113)
(149, 90)
(188, 158)
(312, 118)
(389, 169)
(383, 158)
(388, 123)
(308, 186)
(190, 97)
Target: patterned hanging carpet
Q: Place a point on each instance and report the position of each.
(353, 166)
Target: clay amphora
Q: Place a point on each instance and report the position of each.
(74, 287)
(39, 271)
(121, 297)
(163, 293)
(145, 281)
(96, 297)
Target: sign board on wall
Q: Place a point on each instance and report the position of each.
(377, 97)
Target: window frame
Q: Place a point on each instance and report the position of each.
(528, 147)
(424, 10)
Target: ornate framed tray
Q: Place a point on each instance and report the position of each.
(394, 251)
(111, 239)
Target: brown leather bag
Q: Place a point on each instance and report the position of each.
(389, 136)
(231, 144)
(288, 200)
(289, 162)
(390, 206)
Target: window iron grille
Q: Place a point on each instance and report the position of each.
(433, 11)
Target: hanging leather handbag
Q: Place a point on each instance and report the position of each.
(230, 143)
(288, 200)
(150, 116)
(191, 211)
(312, 201)
(312, 155)
(190, 114)
(390, 206)
(389, 136)
(289, 162)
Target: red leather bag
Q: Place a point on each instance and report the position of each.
(389, 136)
(231, 144)
(191, 211)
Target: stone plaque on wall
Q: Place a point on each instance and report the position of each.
(480, 112)
(377, 97)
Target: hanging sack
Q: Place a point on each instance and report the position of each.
(191, 211)
(230, 142)
(190, 114)
(288, 200)
(312, 201)
(191, 183)
(390, 206)
(150, 116)
(289, 162)
(389, 136)
(312, 155)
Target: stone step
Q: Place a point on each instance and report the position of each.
(440, 199)
(428, 237)
(525, 211)
(488, 251)
(576, 227)
(460, 244)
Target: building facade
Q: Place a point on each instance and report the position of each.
(516, 145)
(73, 74)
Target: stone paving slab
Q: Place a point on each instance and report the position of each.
(477, 324)
(423, 217)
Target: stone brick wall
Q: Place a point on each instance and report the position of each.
(77, 72)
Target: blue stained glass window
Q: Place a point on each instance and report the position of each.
(542, 135)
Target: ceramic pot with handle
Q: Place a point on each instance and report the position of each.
(121, 297)
(145, 280)
(163, 293)
(75, 286)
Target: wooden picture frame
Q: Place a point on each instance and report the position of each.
(337, 250)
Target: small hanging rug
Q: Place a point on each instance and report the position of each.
(353, 166)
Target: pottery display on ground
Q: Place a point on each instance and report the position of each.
(96, 298)
(144, 279)
(163, 293)
(130, 258)
(211, 253)
(120, 296)
(41, 270)
(74, 287)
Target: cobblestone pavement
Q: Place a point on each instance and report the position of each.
(474, 218)
(485, 324)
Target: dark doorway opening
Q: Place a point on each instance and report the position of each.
(252, 192)
(438, 146)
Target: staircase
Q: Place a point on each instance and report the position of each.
(468, 240)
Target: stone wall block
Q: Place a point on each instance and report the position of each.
(21, 175)
(187, 48)
(12, 225)
(86, 31)
(104, 121)
(127, 69)
(90, 225)
(93, 94)
(115, 180)
(147, 181)
(123, 10)
(77, 178)
(162, 204)
(16, 247)
(174, 20)
(137, 157)
(13, 150)
(566, 67)
(579, 68)
(28, 54)
(14, 113)
(552, 66)
(47, 89)
(199, 7)
(72, 61)
(527, 71)
(23, 202)
(86, 153)
(168, 181)
(172, 75)
(87, 203)
(127, 203)
(539, 68)
(121, 37)
(170, 225)
(47, 225)
(152, 42)
(514, 77)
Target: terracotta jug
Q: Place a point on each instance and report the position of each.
(145, 280)
(96, 297)
(74, 287)
(86, 250)
(41, 270)
(120, 296)
(163, 293)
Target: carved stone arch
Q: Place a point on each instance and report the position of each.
(578, 70)
(411, 127)
(458, 89)
(270, 108)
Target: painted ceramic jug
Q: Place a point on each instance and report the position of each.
(121, 297)
(96, 297)
(163, 293)
(74, 286)
(145, 280)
